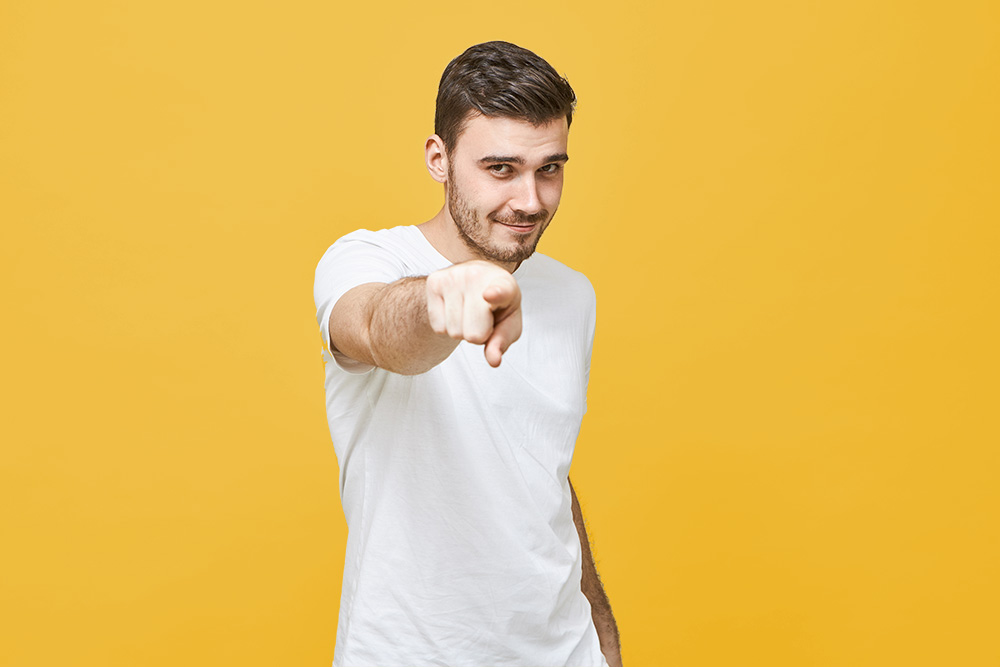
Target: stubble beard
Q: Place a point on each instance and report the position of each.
(476, 236)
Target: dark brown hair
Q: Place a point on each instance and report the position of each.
(499, 79)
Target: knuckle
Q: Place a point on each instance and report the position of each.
(478, 337)
(443, 279)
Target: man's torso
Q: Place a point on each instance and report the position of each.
(461, 545)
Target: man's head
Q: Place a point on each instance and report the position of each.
(499, 80)
(501, 130)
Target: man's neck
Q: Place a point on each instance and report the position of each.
(442, 233)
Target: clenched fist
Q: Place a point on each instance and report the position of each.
(476, 301)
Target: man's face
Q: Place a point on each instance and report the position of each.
(505, 179)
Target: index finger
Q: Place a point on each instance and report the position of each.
(499, 295)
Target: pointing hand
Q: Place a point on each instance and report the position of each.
(476, 301)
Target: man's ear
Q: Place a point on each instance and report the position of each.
(436, 158)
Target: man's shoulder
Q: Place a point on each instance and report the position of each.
(402, 243)
(391, 236)
(401, 251)
(553, 273)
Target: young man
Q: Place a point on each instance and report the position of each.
(454, 431)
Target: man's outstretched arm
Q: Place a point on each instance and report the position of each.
(590, 583)
(413, 324)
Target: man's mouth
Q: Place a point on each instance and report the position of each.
(519, 226)
(523, 225)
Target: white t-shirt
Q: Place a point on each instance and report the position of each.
(461, 547)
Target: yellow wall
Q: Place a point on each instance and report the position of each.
(789, 211)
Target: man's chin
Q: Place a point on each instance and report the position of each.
(517, 251)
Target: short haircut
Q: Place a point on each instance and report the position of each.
(499, 79)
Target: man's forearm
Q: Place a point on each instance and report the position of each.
(590, 583)
(411, 325)
(400, 336)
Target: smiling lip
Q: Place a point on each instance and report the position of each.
(521, 229)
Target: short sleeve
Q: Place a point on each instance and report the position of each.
(353, 260)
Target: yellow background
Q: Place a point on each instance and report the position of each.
(789, 211)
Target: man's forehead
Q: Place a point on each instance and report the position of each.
(497, 135)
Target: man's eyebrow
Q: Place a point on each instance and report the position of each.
(514, 159)
(493, 159)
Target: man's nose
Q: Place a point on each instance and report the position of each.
(526, 200)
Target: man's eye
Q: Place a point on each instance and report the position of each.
(551, 168)
(500, 168)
